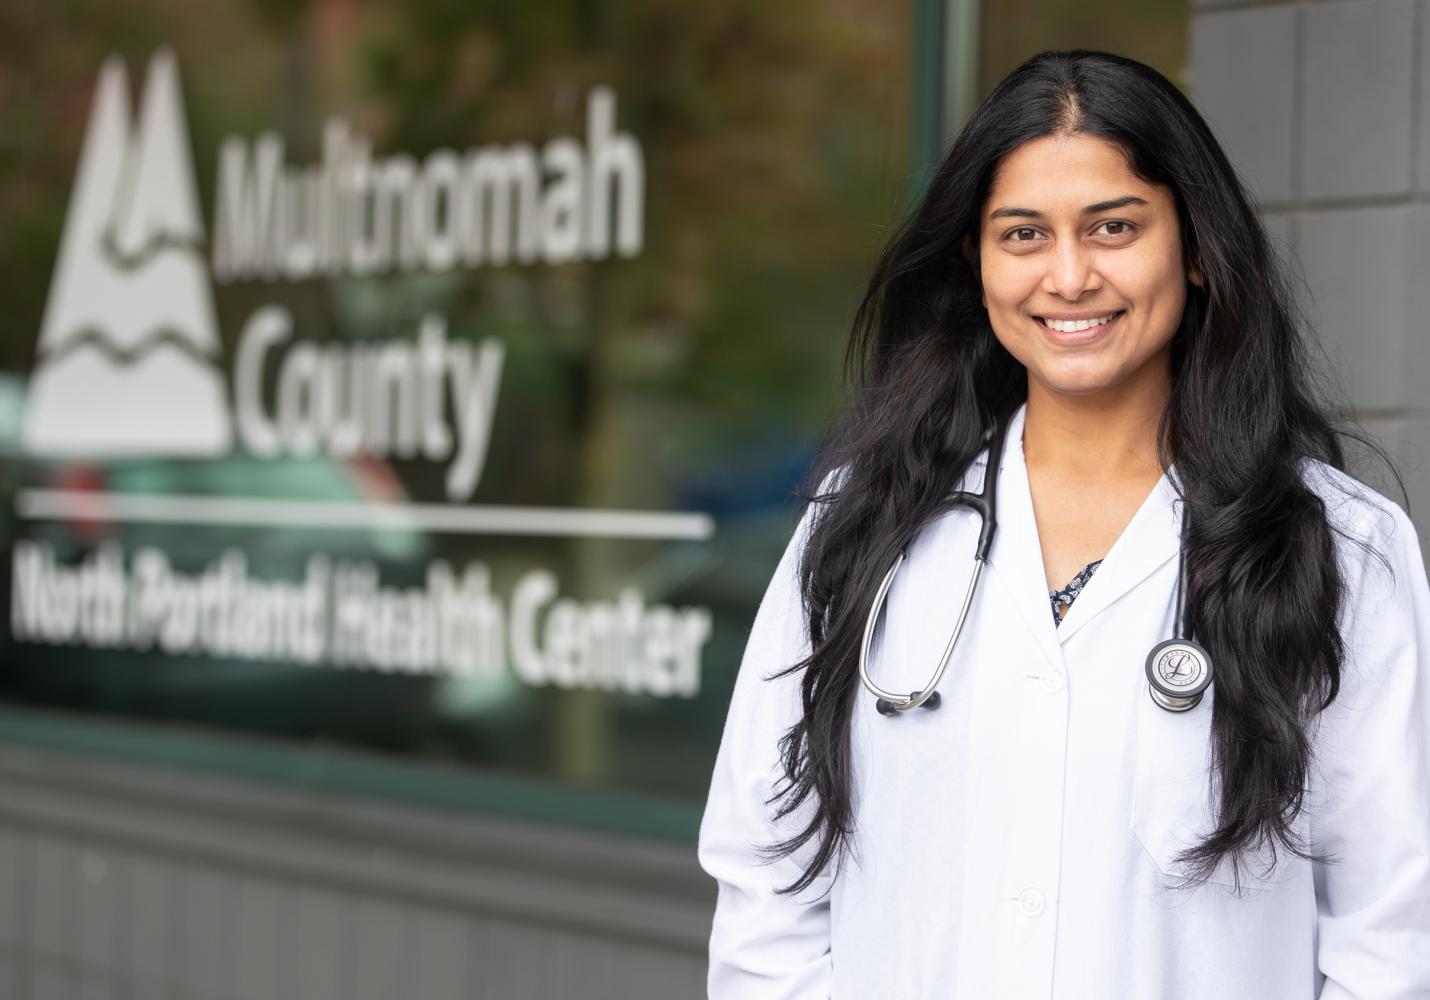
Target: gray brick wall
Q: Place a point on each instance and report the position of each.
(1324, 107)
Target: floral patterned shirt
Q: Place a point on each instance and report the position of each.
(1068, 594)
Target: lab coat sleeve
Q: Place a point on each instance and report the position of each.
(1371, 777)
(763, 946)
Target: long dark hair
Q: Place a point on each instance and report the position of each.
(929, 379)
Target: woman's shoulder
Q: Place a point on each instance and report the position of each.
(1360, 516)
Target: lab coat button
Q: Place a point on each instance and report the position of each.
(1032, 901)
(1051, 680)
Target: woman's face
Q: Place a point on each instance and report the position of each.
(1070, 234)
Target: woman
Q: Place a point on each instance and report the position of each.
(1087, 272)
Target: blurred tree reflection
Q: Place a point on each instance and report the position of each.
(766, 131)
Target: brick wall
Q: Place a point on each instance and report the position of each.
(1324, 107)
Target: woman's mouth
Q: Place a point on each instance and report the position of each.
(1074, 333)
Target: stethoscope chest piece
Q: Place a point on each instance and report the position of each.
(1178, 672)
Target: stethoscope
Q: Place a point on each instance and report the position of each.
(1178, 669)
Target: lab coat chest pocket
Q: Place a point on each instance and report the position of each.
(1174, 797)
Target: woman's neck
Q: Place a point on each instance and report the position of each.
(1095, 437)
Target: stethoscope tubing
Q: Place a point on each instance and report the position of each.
(1172, 684)
(984, 503)
(889, 701)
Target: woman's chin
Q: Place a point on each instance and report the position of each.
(1096, 373)
(1077, 382)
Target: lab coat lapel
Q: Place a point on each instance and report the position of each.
(1152, 537)
(1017, 556)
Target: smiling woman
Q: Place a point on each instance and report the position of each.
(1086, 291)
(1080, 264)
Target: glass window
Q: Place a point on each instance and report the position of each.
(420, 379)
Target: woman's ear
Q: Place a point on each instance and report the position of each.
(1194, 275)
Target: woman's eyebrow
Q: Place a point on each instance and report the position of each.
(1101, 206)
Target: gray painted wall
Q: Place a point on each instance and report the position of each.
(123, 883)
(1325, 109)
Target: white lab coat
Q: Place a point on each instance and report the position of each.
(1016, 843)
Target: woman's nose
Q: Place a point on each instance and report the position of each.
(1071, 270)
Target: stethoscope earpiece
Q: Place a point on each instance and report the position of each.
(886, 707)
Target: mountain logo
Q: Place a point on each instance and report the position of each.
(128, 346)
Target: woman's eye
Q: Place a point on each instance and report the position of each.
(1122, 228)
(1013, 234)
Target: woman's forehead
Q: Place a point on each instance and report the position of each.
(1067, 174)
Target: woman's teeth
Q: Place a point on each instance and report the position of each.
(1077, 325)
